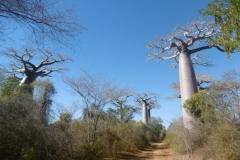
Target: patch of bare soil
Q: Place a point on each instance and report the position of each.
(156, 151)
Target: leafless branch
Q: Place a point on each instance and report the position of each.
(43, 18)
(201, 60)
(149, 99)
(190, 39)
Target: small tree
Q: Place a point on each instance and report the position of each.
(95, 93)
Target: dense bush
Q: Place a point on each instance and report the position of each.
(26, 131)
(176, 137)
(217, 119)
(225, 141)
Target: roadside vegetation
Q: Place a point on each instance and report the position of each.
(27, 130)
(217, 119)
(215, 109)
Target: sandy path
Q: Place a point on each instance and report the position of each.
(161, 151)
(155, 151)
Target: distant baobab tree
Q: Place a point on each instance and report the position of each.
(148, 101)
(119, 102)
(33, 63)
(183, 46)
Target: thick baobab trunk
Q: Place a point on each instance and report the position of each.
(30, 76)
(145, 114)
(149, 114)
(188, 85)
(28, 79)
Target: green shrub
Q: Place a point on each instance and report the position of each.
(92, 152)
(176, 138)
(225, 142)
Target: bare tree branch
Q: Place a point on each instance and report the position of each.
(95, 93)
(201, 60)
(196, 35)
(44, 19)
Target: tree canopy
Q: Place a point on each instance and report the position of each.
(227, 15)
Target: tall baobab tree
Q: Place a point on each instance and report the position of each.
(180, 46)
(148, 101)
(23, 63)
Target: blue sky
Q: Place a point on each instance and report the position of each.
(114, 42)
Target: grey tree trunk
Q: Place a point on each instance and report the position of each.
(27, 81)
(29, 77)
(149, 114)
(188, 85)
(145, 114)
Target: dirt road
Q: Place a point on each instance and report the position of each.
(155, 151)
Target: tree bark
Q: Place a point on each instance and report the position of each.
(26, 80)
(145, 114)
(188, 85)
(149, 114)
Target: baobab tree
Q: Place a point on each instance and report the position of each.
(124, 110)
(23, 63)
(180, 46)
(148, 101)
(119, 103)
